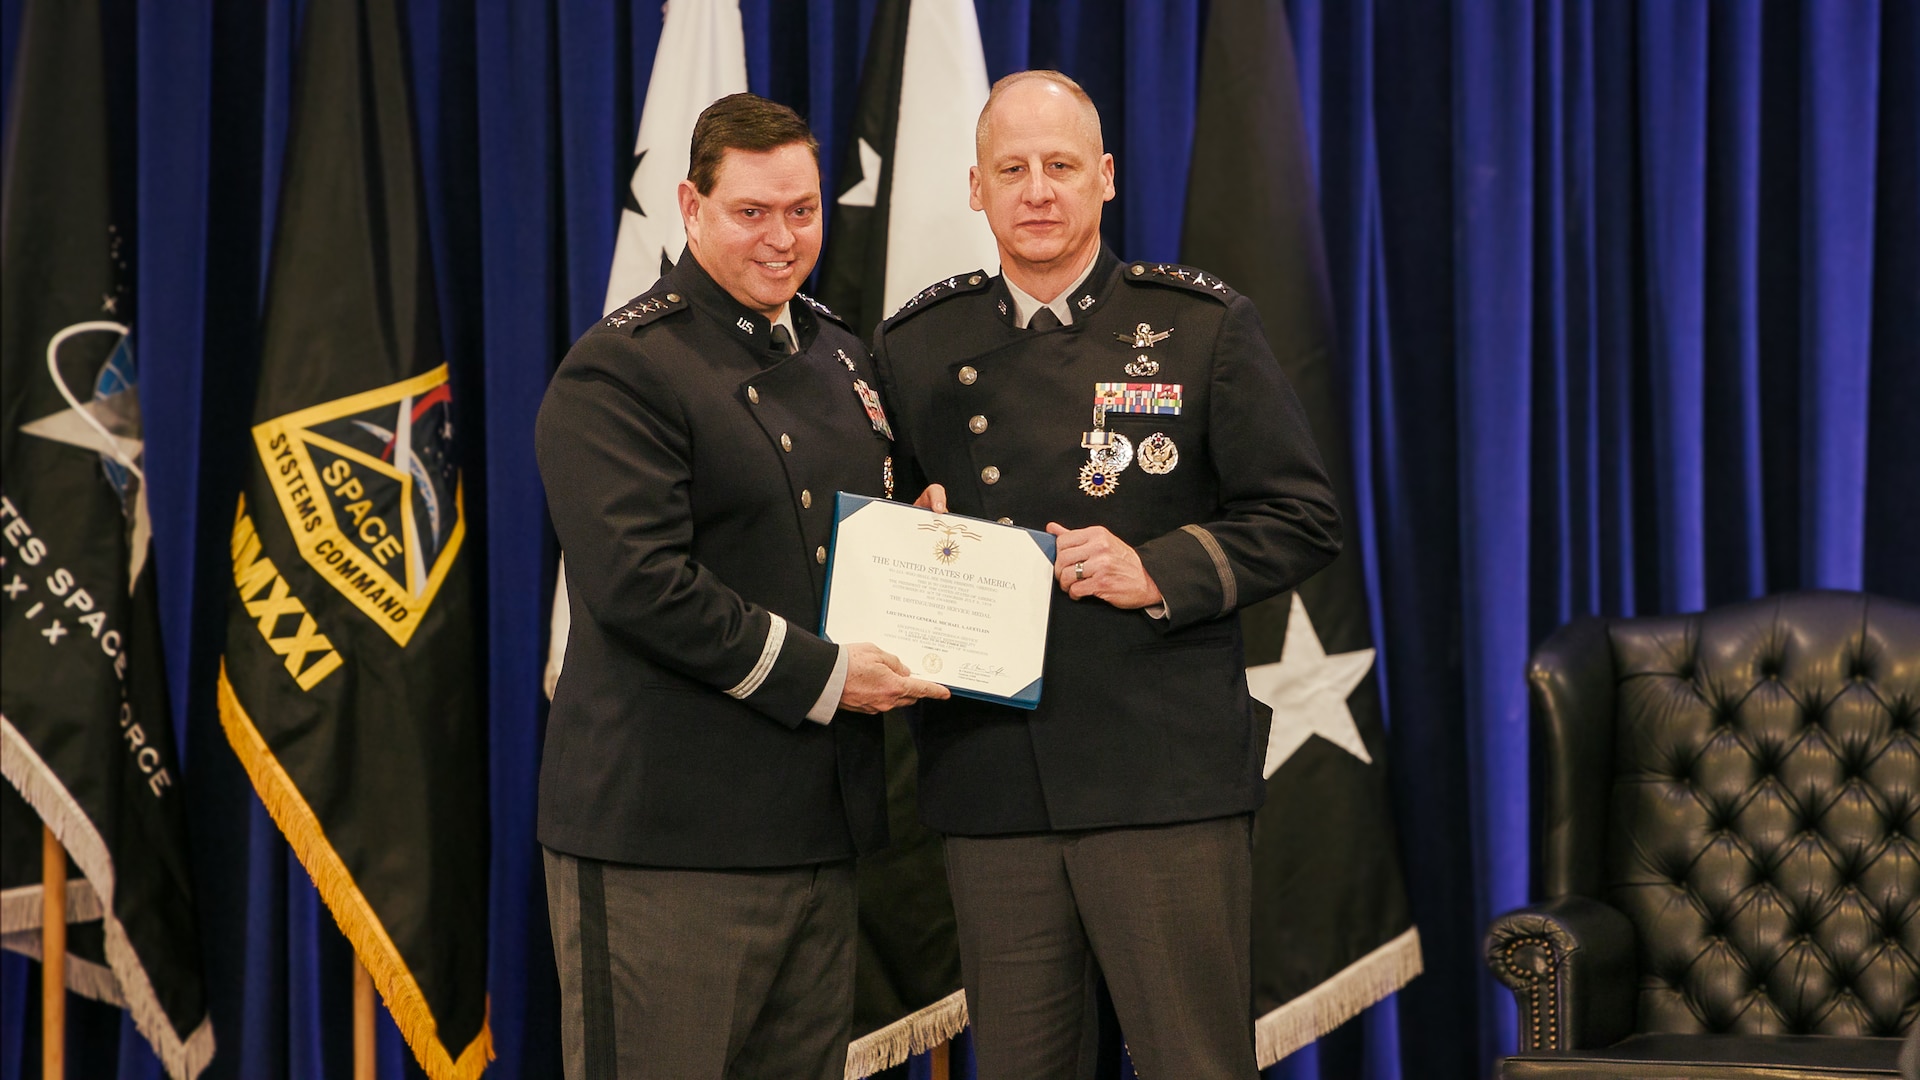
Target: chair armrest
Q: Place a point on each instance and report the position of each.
(1570, 964)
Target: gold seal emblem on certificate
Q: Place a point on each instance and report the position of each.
(947, 548)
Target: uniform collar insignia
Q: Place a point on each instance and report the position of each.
(748, 326)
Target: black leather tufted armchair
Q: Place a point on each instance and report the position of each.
(1728, 809)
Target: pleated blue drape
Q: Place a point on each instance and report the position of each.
(1629, 305)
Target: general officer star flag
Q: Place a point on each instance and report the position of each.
(899, 222)
(1331, 933)
(86, 739)
(702, 58)
(349, 688)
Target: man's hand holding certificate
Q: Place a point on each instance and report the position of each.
(960, 601)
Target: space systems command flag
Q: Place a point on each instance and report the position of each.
(702, 58)
(899, 221)
(349, 684)
(85, 735)
(1332, 933)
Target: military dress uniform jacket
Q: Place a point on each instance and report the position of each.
(690, 471)
(1141, 721)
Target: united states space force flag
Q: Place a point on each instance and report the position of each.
(702, 57)
(1331, 933)
(898, 222)
(86, 739)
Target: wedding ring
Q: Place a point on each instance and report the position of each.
(1080, 570)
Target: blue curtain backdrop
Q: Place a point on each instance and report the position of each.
(1629, 296)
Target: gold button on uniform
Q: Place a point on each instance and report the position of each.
(786, 442)
(820, 554)
(974, 280)
(991, 474)
(753, 395)
(977, 425)
(673, 298)
(806, 499)
(1136, 270)
(1006, 521)
(967, 375)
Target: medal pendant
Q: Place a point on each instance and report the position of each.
(1097, 481)
(1107, 451)
(1158, 455)
(1115, 456)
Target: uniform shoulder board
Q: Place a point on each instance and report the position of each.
(943, 289)
(644, 309)
(822, 309)
(1184, 277)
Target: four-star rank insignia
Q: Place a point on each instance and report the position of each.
(372, 496)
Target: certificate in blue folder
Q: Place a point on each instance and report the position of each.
(961, 601)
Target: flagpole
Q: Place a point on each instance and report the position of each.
(53, 957)
(939, 1056)
(362, 1022)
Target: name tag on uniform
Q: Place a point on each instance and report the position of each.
(1138, 398)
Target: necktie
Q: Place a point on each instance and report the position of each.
(783, 341)
(1044, 319)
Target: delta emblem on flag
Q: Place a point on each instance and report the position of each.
(372, 496)
(350, 688)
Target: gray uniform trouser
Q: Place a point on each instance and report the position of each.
(1165, 913)
(702, 974)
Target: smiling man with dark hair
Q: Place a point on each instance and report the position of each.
(712, 766)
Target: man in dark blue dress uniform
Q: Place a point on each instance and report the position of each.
(712, 766)
(1136, 411)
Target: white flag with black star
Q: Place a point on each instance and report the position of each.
(900, 220)
(702, 58)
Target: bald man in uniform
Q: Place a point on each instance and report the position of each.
(1136, 411)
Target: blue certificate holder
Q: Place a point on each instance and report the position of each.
(961, 601)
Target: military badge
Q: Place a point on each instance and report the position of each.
(1158, 455)
(1143, 367)
(1145, 336)
(870, 399)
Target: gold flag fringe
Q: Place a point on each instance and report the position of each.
(183, 1059)
(1339, 999)
(913, 1034)
(356, 917)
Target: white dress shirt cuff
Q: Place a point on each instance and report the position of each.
(823, 709)
(1159, 611)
